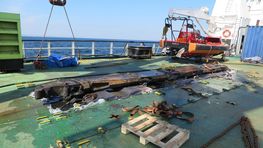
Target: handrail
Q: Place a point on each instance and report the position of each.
(91, 48)
(54, 39)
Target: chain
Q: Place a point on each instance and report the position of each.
(248, 133)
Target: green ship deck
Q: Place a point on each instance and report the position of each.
(18, 111)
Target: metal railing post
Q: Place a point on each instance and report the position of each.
(154, 49)
(126, 49)
(24, 50)
(73, 48)
(49, 48)
(111, 48)
(93, 48)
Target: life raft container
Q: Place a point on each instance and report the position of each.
(58, 2)
(227, 33)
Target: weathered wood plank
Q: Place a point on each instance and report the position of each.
(178, 140)
(135, 120)
(144, 124)
(152, 130)
(165, 130)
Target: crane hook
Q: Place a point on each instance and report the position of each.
(58, 2)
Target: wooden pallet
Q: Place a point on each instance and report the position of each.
(149, 129)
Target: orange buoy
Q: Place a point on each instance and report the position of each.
(58, 2)
(226, 33)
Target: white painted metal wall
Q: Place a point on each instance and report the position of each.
(232, 15)
(255, 8)
(229, 15)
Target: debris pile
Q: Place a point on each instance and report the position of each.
(254, 75)
(254, 60)
(168, 111)
(191, 71)
(133, 111)
(160, 109)
(204, 86)
(65, 94)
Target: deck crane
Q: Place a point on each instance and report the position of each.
(189, 42)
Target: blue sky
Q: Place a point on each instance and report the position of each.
(112, 19)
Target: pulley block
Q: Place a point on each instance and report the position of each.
(58, 2)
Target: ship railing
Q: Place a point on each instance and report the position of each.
(83, 48)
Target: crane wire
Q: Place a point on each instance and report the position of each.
(41, 44)
(69, 23)
(71, 29)
(201, 26)
(48, 22)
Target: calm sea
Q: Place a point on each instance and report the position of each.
(102, 46)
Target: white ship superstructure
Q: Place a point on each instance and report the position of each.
(229, 17)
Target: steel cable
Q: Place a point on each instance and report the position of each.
(46, 29)
(41, 44)
(73, 36)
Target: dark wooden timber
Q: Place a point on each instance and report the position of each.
(74, 90)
